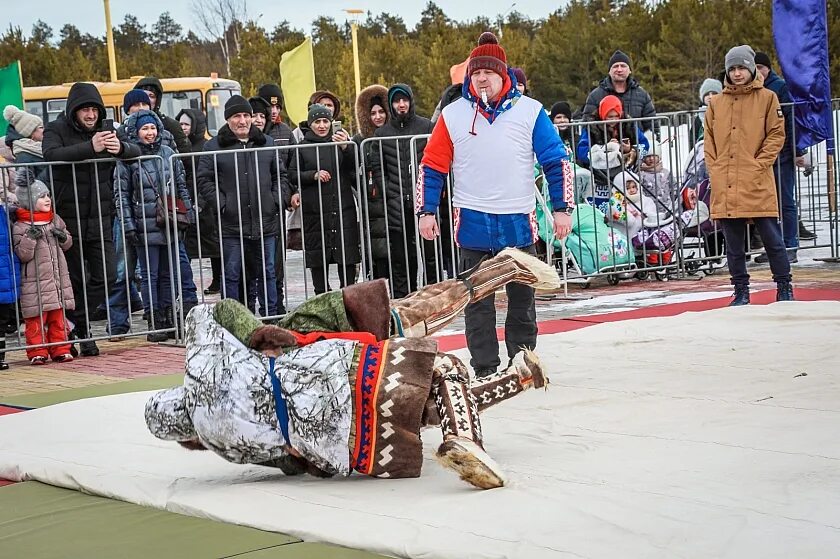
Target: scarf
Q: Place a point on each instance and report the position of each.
(38, 218)
(27, 145)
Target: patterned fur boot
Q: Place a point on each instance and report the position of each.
(471, 463)
(431, 308)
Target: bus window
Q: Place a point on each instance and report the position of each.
(54, 108)
(174, 101)
(36, 108)
(216, 99)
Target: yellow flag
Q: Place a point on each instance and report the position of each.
(297, 75)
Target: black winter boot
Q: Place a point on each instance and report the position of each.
(86, 348)
(741, 296)
(3, 364)
(784, 291)
(159, 323)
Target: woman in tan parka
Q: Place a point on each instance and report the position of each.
(745, 130)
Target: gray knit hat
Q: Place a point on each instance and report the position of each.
(742, 55)
(28, 192)
(709, 85)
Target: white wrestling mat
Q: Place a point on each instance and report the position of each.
(714, 434)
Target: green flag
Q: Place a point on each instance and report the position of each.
(297, 74)
(11, 90)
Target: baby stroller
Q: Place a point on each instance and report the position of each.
(701, 231)
(654, 233)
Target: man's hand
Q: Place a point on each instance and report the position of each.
(99, 141)
(113, 144)
(800, 161)
(270, 340)
(429, 229)
(323, 176)
(562, 225)
(295, 200)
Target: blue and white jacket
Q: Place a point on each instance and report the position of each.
(490, 150)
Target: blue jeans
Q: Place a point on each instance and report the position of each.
(154, 266)
(785, 174)
(122, 292)
(189, 295)
(256, 268)
(735, 233)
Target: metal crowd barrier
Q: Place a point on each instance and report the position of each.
(254, 247)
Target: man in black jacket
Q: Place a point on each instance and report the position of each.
(391, 164)
(154, 89)
(83, 197)
(636, 101)
(245, 188)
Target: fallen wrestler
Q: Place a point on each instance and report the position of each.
(328, 392)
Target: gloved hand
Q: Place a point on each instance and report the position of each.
(34, 232)
(131, 238)
(60, 235)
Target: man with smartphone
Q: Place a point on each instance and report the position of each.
(83, 197)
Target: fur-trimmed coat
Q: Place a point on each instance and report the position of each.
(375, 216)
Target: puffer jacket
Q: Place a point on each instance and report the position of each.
(375, 215)
(327, 220)
(245, 188)
(636, 101)
(90, 185)
(45, 281)
(139, 184)
(9, 263)
(394, 150)
(745, 130)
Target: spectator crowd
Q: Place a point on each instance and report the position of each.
(102, 221)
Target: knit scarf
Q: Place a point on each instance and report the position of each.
(38, 218)
(27, 145)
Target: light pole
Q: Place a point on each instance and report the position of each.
(109, 37)
(502, 19)
(354, 27)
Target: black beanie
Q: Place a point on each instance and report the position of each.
(619, 56)
(260, 105)
(763, 59)
(237, 104)
(560, 108)
(271, 93)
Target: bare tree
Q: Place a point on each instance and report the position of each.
(221, 21)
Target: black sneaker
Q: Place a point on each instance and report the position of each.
(212, 289)
(484, 372)
(805, 234)
(88, 349)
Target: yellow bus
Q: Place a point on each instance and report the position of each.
(208, 94)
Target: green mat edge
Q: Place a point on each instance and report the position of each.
(43, 399)
(268, 545)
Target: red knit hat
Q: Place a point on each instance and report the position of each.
(488, 55)
(609, 103)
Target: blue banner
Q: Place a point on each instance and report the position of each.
(800, 31)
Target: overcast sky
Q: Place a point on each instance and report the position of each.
(88, 15)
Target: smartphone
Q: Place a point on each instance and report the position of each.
(108, 125)
(336, 126)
